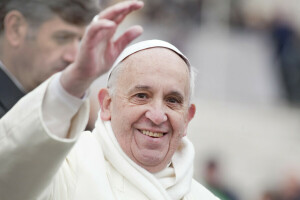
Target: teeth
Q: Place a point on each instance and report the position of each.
(151, 134)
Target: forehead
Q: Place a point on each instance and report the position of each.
(56, 23)
(155, 66)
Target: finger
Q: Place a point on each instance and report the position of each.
(127, 37)
(98, 29)
(121, 17)
(120, 9)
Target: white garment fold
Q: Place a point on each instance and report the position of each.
(171, 183)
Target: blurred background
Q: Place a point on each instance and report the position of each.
(246, 130)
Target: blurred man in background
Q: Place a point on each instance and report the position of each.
(37, 39)
(214, 181)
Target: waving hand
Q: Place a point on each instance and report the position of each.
(98, 49)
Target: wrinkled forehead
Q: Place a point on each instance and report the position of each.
(146, 45)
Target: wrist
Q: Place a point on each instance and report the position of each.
(74, 83)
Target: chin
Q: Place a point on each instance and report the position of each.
(152, 163)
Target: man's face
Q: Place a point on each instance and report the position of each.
(150, 110)
(47, 50)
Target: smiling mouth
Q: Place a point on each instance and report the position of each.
(152, 134)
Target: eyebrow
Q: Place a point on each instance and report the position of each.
(139, 87)
(145, 87)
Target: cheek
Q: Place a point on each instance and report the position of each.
(50, 52)
(122, 125)
(178, 122)
(122, 116)
(51, 59)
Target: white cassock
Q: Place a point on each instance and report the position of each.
(36, 163)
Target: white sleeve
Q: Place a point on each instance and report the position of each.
(59, 107)
(30, 153)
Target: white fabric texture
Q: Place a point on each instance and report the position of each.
(171, 183)
(30, 154)
(57, 97)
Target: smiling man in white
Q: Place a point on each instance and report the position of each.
(148, 104)
(138, 149)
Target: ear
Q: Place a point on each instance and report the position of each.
(15, 27)
(104, 101)
(191, 112)
(190, 116)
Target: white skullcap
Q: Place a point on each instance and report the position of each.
(146, 45)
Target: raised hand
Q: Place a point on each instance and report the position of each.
(98, 51)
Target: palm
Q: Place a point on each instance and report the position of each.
(98, 51)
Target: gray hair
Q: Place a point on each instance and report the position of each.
(77, 12)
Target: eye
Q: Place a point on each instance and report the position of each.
(64, 38)
(139, 98)
(174, 100)
(141, 95)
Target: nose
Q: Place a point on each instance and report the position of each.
(70, 52)
(156, 113)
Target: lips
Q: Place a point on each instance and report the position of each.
(152, 134)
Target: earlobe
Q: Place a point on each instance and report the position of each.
(104, 101)
(191, 114)
(15, 27)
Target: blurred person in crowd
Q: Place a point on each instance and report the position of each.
(290, 190)
(212, 178)
(137, 149)
(37, 39)
(287, 46)
(237, 16)
(270, 195)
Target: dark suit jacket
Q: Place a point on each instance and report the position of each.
(9, 93)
